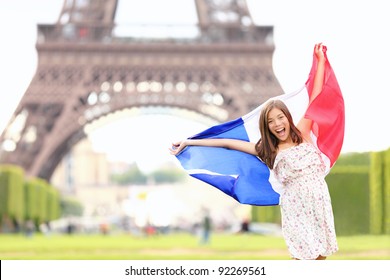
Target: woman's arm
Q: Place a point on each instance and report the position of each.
(233, 144)
(319, 77)
(304, 124)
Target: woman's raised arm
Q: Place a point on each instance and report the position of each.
(233, 144)
(304, 124)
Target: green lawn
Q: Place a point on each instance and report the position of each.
(176, 247)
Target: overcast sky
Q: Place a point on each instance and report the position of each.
(356, 33)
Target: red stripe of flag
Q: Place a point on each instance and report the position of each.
(327, 113)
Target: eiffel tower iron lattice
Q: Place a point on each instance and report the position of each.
(87, 68)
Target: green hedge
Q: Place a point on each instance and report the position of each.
(31, 209)
(53, 204)
(349, 191)
(376, 194)
(24, 199)
(380, 193)
(386, 193)
(11, 193)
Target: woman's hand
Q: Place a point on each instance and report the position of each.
(177, 147)
(319, 51)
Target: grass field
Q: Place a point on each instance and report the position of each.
(176, 247)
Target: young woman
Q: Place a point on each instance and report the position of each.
(307, 216)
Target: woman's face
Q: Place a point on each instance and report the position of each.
(278, 124)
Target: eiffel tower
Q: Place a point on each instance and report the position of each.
(87, 69)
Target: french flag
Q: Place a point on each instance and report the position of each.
(245, 177)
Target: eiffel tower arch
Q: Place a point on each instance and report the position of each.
(88, 69)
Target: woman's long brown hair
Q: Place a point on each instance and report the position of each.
(267, 146)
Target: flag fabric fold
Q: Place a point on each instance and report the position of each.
(245, 177)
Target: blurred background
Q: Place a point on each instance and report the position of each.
(115, 175)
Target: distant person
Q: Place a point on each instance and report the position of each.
(206, 229)
(244, 226)
(70, 228)
(104, 228)
(288, 150)
(30, 228)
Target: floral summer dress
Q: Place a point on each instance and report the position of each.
(307, 216)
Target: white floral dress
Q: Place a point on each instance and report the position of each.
(307, 216)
